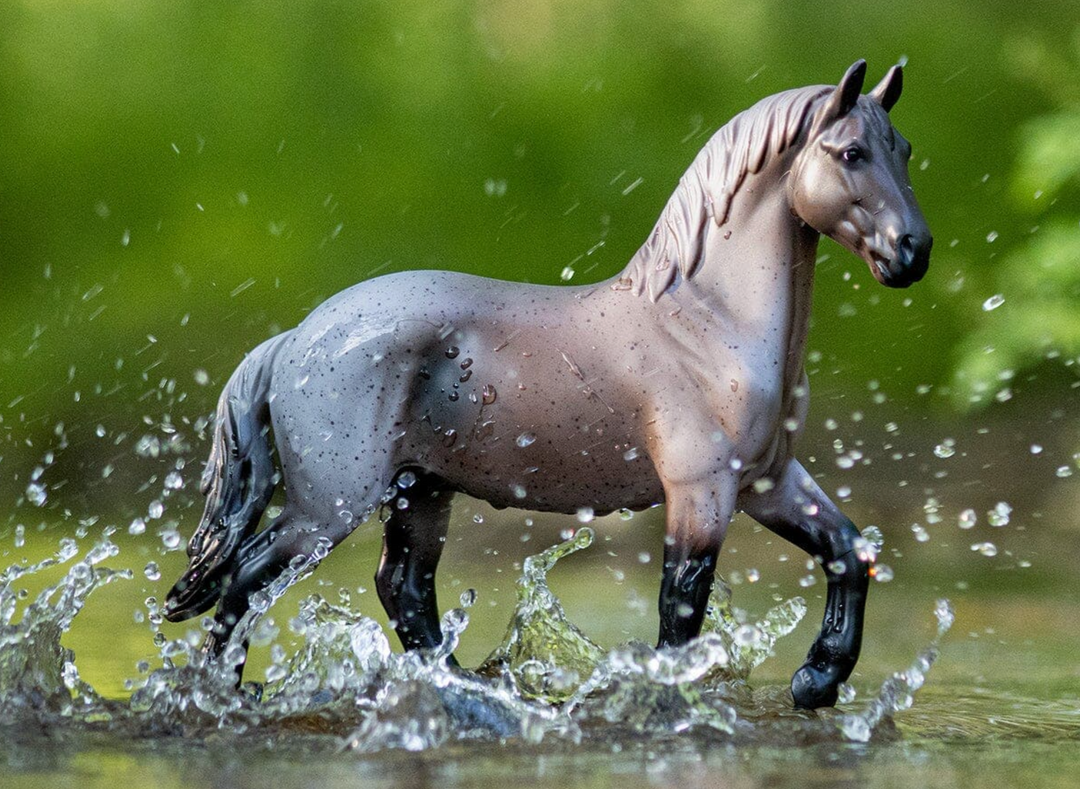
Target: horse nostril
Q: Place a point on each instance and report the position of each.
(905, 250)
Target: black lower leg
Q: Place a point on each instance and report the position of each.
(836, 649)
(413, 540)
(684, 593)
(259, 562)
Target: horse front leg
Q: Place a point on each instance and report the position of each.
(698, 515)
(798, 510)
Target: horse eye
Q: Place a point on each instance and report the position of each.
(851, 155)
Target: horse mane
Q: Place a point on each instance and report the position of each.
(740, 148)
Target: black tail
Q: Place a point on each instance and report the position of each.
(238, 481)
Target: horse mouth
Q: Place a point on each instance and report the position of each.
(892, 273)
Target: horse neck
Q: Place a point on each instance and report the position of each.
(758, 271)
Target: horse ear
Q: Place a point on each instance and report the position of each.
(843, 98)
(888, 90)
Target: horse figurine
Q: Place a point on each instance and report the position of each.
(680, 380)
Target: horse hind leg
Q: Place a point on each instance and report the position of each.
(262, 560)
(413, 540)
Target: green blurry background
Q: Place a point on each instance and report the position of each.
(180, 180)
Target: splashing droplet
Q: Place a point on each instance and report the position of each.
(999, 516)
(993, 302)
(946, 449)
(35, 494)
(525, 439)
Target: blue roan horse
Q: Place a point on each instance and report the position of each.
(681, 380)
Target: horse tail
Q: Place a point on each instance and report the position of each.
(238, 482)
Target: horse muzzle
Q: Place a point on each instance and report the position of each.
(908, 266)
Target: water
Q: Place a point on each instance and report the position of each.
(345, 691)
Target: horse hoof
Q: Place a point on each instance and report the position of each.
(812, 688)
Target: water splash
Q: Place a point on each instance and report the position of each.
(37, 675)
(547, 679)
(545, 653)
(898, 691)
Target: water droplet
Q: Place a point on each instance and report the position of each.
(567, 274)
(402, 503)
(883, 573)
(20, 536)
(525, 439)
(946, 449)
(585, 514)
(170, 538)
(468, 598)
(993, 302)
(1064, 471)
(630, 454)
(478, 518)
(625, 514)
(807, 581)
(985, 548)
(845, 693)
(173, 481)
(921, 534)
(405, 480)
(967, 519)
(644, 557)
(138, 526)
(202, 378)
(488, 394)
(999, 516)
(452, 352)
(763, 485)
(991, 237)
(35, 493)
(156, 509)
(152, 572)
(753, 576)
(1036, 449)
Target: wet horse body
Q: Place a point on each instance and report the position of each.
(679, 381)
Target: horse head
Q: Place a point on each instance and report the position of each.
(850, 180)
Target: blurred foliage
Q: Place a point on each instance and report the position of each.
(1040, 277)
